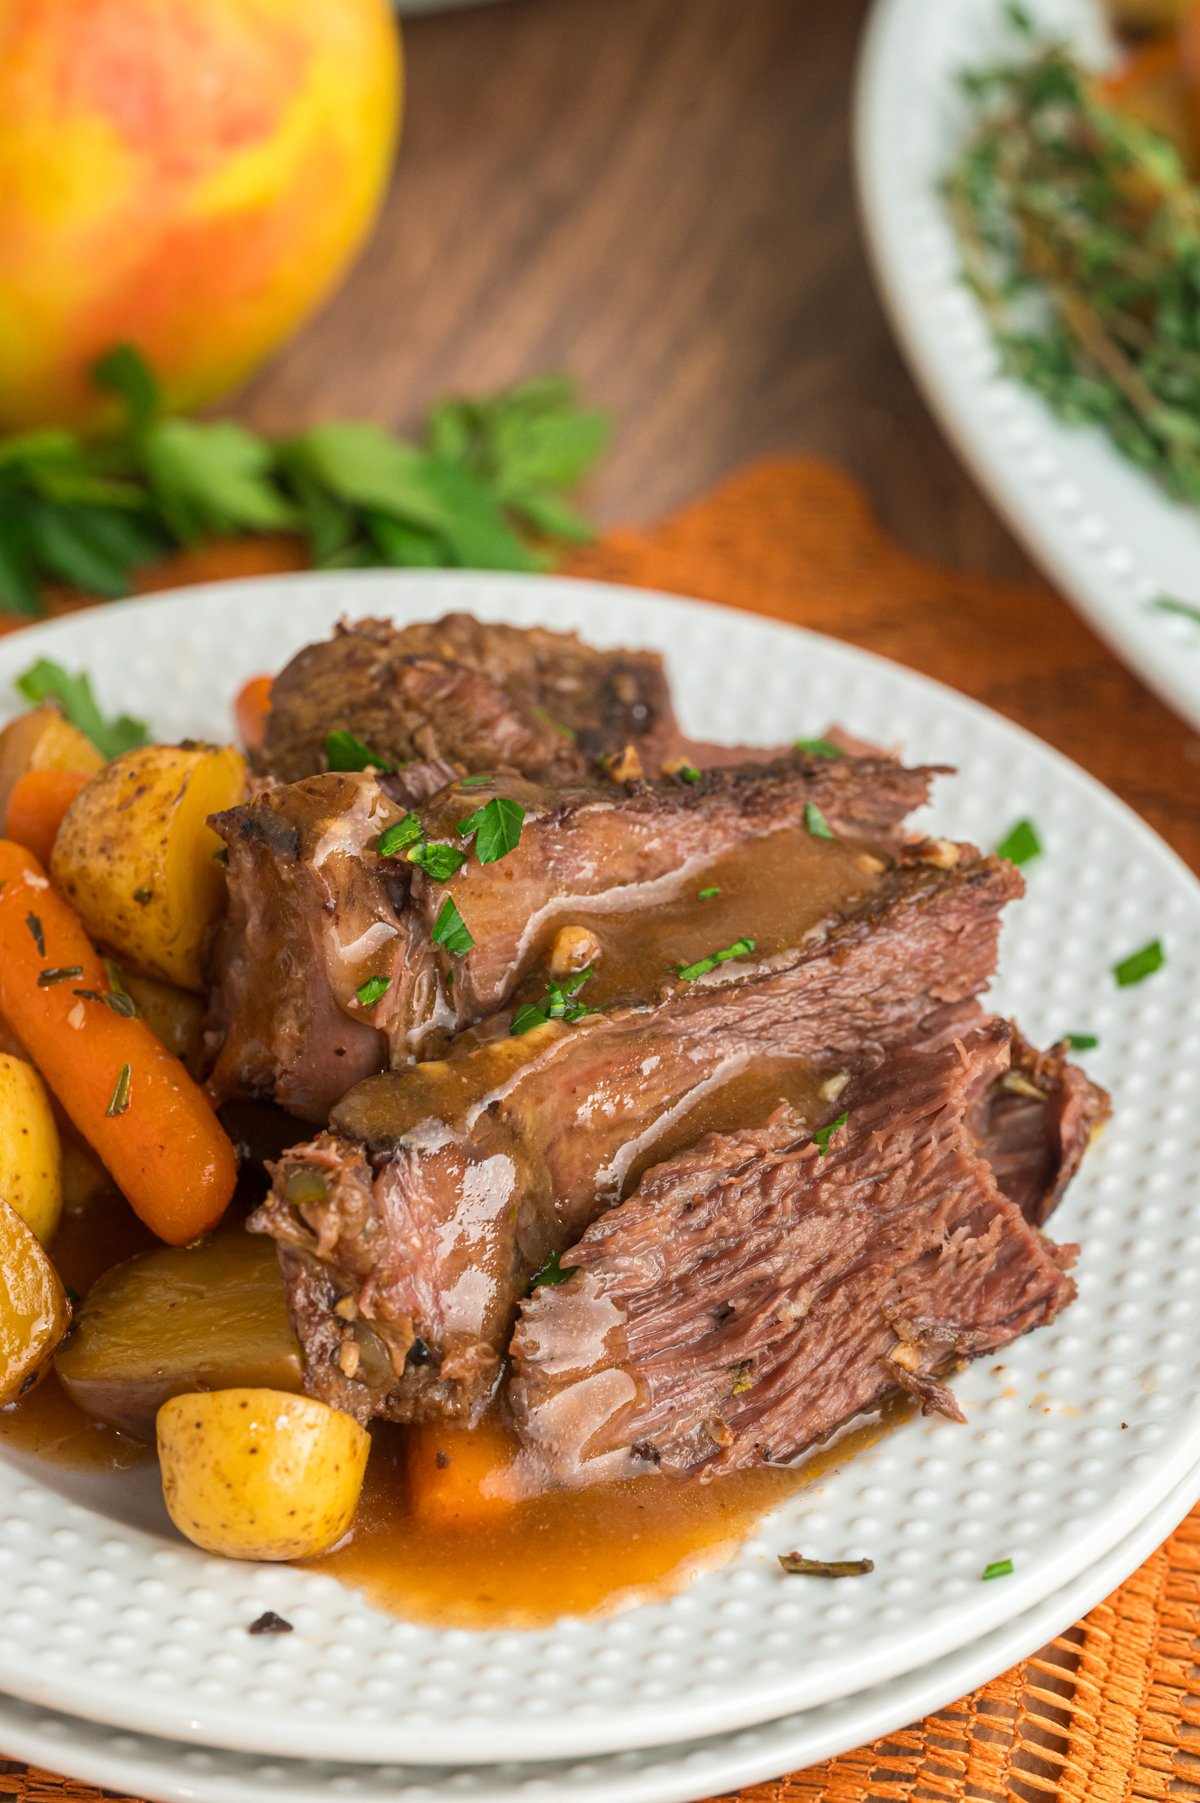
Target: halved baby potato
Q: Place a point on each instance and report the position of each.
(34, 1311)
(30, 1150)
(257, 1474)
(136, 856)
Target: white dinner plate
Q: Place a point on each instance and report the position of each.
(1099, 527)
(170, 1772)
(1075, 1433)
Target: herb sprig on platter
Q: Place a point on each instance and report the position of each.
(1079, 231)
(484, 487)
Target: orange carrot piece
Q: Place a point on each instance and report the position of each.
(250, 710)
(37, 806)
(457, 1476)
(151, 1126)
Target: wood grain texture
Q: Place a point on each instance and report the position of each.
(657, 196)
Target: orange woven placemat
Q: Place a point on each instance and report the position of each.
(1110, 1712)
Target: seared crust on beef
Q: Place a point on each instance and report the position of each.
(755, 1294)
(485, 696)
(463, 1177)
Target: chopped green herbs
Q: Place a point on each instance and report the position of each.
(823, 1135)
(707, 894)
(438, 860)
(344, 752)
(119, 1100)
(688, 774)
(552, 1272)
(816, 822)
(451, 930)
(1140, 965)
(485, 488)
(1079, 233)
(818, 748)
(1080, 1042)
(1167, 604)
(1021, 845)
(999, 1568)
(117, 1001)
(475, 782)
(63, 973)
(797, 1566)
(560, 1002)
(36, 933)
(45, 681)
(495, 827)
(372, 992)
(741, 948)
(402, 833)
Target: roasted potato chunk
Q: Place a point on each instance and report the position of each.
(135, 855)
(183, 1318)
(30, 1151)
(255, 1474)
(34, 1311)
(42, 740)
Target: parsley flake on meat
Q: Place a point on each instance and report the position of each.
(373, 991)
(741, 948)
(451, 930)
(495, 827)
(818, 748)
(437, 860)
(707, 894)
(552, 1272)
(344, 752)
(816, 822)
(823, 1135)
(402, 833)
(560, 1002)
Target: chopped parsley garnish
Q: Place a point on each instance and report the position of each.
(553, 1271)
(62, 974)
(797, 1566)
(475, 782)
(560, 1002)
(1021, 845)
(1167, 604)
(816, 822)
(373, 991)
(451, 930)
(823, 1135)
(688, 774)
(741, 948)
(45, 681)
(999, 1568)
(35, 928)
(819, 748)
(119, 1100)
(437, 860)
(344, 752)
(1080, 1042)
(495, 827)
(1140, 965)
(707, 894)
(403, 832)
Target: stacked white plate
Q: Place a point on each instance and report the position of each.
(125, 1652)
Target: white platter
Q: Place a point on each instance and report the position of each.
(1086, 1428)
(1102, 531)
(170, 1772)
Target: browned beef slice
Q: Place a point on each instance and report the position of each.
(753, 1294)
(442, 1189)
(1035, 1124)
(539, 702)
(310, 896)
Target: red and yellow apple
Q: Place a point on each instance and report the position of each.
(190, 176)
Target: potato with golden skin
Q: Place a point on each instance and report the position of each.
(257, 1474)
(42, 739)
(135, 855)
(30, 1150)
(34, 1311)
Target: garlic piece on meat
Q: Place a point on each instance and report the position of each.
(574, 949)
(906, 1356)
(832, 1087)
(869, 864)
(349, 1358)
(941, 853)
(1019, 1085)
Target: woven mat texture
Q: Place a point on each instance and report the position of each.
(1110, 1712)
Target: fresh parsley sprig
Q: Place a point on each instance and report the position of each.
(484, 487)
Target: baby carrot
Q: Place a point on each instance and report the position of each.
(135, 1105)
(250, 709)
(37, 805)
